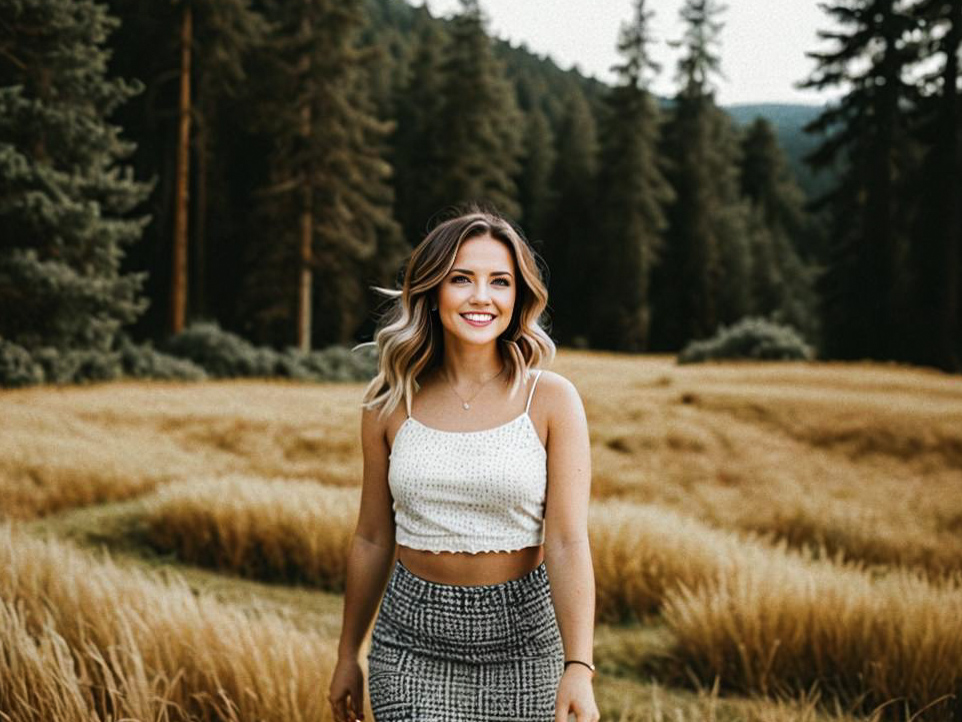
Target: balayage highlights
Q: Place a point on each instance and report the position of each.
(410, 338)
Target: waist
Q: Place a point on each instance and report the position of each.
(465, 569)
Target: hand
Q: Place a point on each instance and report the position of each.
(575, 696)
(346, 693)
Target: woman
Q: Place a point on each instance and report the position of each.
(469, 505)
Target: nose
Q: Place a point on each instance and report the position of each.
(480, 294)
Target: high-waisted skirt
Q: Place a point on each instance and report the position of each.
(450, 653)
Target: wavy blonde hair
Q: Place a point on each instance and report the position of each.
(409, 336)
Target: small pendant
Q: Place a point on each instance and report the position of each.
(466, 406)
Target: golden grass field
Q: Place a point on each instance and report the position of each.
(771, 542)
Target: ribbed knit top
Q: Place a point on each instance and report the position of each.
(469, 491)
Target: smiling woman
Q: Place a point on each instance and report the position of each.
(457, 531)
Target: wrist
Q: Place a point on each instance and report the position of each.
(584, 666)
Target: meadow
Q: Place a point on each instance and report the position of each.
(771, 542)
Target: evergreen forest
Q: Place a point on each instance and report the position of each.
(262, 164)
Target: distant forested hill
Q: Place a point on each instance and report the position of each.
(541, 83)
(788, 121)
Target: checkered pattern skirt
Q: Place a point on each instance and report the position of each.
(449, 653)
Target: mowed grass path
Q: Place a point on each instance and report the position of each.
(856, 466)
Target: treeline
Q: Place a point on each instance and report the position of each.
(293, 153)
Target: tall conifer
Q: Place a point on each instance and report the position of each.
(782, 284)
(536, 194)
(64, 198)
(634, 194)
(937, 194)
(326, 212)
(573, 222)
(862, 290)
(479, 144)
(704, 279)
(419, 124)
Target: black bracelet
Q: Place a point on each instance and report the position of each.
(578, 661)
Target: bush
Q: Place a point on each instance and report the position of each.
(220, 353)
(143, 361)
(77, 366)
(203, 350)
(17, 367)
(223, 354)
(334, 363)
(750, 338)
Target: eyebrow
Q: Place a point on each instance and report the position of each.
(471, 273)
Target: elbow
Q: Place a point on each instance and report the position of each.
(563, 544)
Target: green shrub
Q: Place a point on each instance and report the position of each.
(220, 353)
(143, 361)
(78, 366)
(223, 354)
(334, 363)
(750, 338)
(17, 367)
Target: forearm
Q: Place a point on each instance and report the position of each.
(368, 569)
(572, 581)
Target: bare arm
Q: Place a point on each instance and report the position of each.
(566, 549)
(373, 547)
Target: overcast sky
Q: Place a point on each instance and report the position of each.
(763, 43)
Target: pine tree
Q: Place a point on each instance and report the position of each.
(327, 207)
(535, 182)
(419, 123)
(479, 144)
(862, 291)
(634, 194)
(572, 222)
(64, 200)
(782, 285)
(704, 278)
(937, 194)
(225, 34)
(188, 126)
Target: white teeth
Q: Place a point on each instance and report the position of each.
(478, 316)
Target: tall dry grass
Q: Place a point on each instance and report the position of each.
(658, 704)
(66, 447)
(272, 530)
(862, 459)
(775, 622)
(90, 639)
(763, 617)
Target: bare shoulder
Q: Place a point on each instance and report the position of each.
(560, 398)
(375, 521)
(373, 430)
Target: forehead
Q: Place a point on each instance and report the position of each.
(484, 253)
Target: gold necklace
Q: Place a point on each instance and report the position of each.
(465, 403)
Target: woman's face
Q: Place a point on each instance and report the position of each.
(481, 281)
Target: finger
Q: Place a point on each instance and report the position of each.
(561, 714)
(340, 709)
(357, 705)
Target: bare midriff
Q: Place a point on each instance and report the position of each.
(464, 569)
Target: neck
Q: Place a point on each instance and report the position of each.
(471, 371)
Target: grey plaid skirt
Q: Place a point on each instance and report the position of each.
(450, 653)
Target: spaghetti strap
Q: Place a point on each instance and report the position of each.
(537, 376)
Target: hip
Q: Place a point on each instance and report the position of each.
(477, 624)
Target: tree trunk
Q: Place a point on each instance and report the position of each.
(949, 329)
(198, 251)
(178, 301)
(307, 223)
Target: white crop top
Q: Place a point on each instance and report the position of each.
(469, 491)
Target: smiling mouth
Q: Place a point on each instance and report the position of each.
(489, 318)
